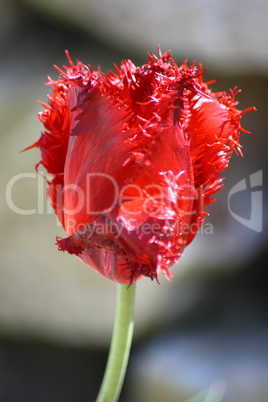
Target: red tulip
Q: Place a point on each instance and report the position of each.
(134, 157)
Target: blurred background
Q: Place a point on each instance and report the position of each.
(206, 331)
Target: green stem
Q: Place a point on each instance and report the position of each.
(120, 345)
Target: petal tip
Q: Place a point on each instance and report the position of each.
(68, 245)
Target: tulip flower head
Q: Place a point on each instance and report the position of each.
(133, 158)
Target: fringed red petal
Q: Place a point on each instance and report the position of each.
(134, 157)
